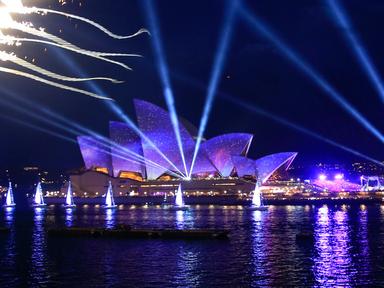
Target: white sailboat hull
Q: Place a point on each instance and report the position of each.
(177, 208)
(109, 207)
(257, 208)
(39, 205)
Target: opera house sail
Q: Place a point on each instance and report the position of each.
(135, 160)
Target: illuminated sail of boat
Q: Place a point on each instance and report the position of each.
(39, 199)
(69, 197)
(9, 201)
(109, 200)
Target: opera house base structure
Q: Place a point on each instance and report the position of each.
(146, 162)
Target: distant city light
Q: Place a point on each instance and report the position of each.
(339, 176)
(322, 177)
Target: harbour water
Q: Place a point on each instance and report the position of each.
(347, 248)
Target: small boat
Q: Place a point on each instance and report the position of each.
(9, 201)
(69, 197)
(39, 199)
(109, 200)
(179, 202)
(128, 232)
(257, 200)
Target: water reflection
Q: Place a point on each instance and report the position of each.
(333, 264)
(184, 219)
(8, 248)
(9, 215)
(258, 249)
(179, 219)
(110, 220)
(39, 254)
(363, 258)
(188, 273)
(69, 217)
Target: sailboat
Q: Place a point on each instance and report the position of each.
(257, 200)
(109, 201)
(179, 200)
(9, 201)
(39, 199)
(69, 197)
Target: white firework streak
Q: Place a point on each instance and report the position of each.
(14, 40)
(14, 59)
(6, 22)
(52, 83)
(83, 19)
(41, 33)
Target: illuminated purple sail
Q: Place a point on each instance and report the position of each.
(155, 123)
(94, 153)
(267, 165)
(220, 150)
(244, 166)
(127, 141)
(154, 151)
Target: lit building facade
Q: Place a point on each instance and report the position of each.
(149, 162)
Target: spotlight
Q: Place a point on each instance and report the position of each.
(164, 76)
(278, 119)
(215, 76)
(115, 108)
(309, 71)
(357, 46)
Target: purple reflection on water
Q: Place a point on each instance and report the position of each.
(39, 265)
(9, 211)
(179, 219)
(110, 219)
(69, 217)
(333, 265)
(258, 249)
(363, 259)
(188, 263)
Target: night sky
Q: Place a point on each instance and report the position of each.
(255, 72)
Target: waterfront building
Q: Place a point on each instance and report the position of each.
(149, 162)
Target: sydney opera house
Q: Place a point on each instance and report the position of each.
(145, 159)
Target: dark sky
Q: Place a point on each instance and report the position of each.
(258, 73)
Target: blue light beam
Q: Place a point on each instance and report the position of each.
(278, 119)
(297, 127)
(361, 53)
(309, 71)
(164, 76)
(74, 128)
(116, 109)
(216, 73)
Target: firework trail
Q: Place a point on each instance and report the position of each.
(14, 59)
(10, 7)
(51, 83)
